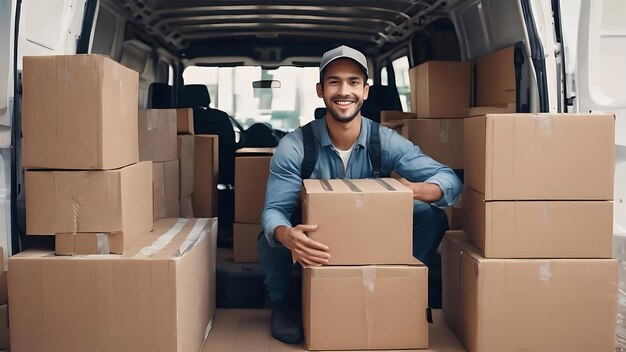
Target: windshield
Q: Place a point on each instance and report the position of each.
(288, 107)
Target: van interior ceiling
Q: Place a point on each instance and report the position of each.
(178, 34)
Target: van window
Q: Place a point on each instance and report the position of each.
(287, 107)
(384, 80)
(401, 72)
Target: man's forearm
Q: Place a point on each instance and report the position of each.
(280, 232)
(426, 192)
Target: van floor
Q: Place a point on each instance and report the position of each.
(247, 330)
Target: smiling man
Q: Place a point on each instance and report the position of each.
(343, 144)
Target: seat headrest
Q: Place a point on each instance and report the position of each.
(320, 113)
(381, 98)
(196, 96)
(160, 96)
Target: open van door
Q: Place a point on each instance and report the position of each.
(29, 27)
(595, 37)
(601, 78)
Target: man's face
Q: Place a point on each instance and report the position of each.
(344, 89)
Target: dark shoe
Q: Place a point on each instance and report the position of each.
(285, 326)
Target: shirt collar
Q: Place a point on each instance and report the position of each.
(360, 140)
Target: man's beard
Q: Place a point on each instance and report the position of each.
(344, 118)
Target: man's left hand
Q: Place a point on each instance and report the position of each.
(424, 191)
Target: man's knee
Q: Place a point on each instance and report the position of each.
(429, 218)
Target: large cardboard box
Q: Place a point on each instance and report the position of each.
(4, 290)
(365, 307)
(538, 229)
(495, 78)
(206, 170)
(5, 339)
(528, 304)
(245, 239)
(79, 112)
(88, 243)
(186, 159)
(540, 156)
(158, 296)
(165, 189)
(367, 221)
(157, 135)
(184, 121)
(252, 169)
(90, 201)
(441, 139)
(455, 217)
(441, 89)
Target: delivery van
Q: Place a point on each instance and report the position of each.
(245, 71)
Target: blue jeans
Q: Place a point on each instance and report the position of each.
(429, 225)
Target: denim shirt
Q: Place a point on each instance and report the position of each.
(398, 154)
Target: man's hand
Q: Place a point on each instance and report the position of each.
(426, 192)
(303, 249)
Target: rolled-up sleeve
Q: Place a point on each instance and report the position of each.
(410, 162)
(283, 186)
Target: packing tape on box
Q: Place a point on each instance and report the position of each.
(545, 272)
(359, 197)
(444, 132)
(102, 243)
(197, 233)
(163, 240)
(543, 124)
(369, 285)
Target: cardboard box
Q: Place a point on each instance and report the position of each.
(79, 112)
(184, 121)
(245, 239)
(5, 339)
(252, 170)
(365, 307)
(159, 295)
(367, 221)
(165, 189)
(528, 304)
(538, 229)
(495, 78)
(455, 217)
(90, 201)
(440, 89)
(88, 243)
(186, 207)
(186, 159)
(244, 330)
(157, 135)
(540, 156)
(206, 170)
(389, 115)
(4, 290)
(441, 139)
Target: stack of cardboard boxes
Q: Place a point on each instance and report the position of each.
(252, 169)
(4, 306)
(372, 282)
(440, 96)
(534, 271)
(85, 185)
(157, 143)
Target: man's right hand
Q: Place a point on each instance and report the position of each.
(303, 249)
